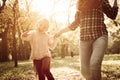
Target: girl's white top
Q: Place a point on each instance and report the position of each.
(40, 44)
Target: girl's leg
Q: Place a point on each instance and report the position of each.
(38, 68)
(99, 47)
(46, 68)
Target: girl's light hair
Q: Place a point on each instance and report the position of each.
(44, 22)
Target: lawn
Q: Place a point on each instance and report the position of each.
(67, 68)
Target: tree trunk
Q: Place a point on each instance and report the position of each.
(4, 52)
(63, 52)
(14, 51)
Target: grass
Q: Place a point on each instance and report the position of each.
(23, 72)
(110, 68)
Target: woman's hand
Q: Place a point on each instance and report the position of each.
(66, 29)
(115, 3)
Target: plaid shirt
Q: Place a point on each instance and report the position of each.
(91, 22)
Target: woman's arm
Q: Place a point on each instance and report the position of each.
(111, 12)
(115, 3)
(64, 30)
(70, 27)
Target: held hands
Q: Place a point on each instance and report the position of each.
(66, 29)
(57, 35)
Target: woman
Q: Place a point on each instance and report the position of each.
(93, 34)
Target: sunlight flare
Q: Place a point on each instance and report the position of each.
(50, 8)
(42, 6)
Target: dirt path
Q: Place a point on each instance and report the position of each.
(65, 73)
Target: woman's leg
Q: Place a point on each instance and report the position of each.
(99, 47)
(85, 55)
(38, 68)
(46, 68)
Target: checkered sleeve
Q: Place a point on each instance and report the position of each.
(76, 22)
(111, 12)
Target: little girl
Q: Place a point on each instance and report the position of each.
(40, 43)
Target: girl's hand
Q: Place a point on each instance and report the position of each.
(66, 29)
(25, 34)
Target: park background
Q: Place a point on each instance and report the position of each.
(17, 16)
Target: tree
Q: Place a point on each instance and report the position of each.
(3, 33)
(4, 42)
(15, 17)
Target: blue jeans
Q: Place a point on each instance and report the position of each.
(92, 53)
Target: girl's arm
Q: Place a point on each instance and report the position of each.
(26, 36)
(52, 43)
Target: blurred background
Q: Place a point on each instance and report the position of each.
(17, 16)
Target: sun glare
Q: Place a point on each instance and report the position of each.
(48, 8)
(42, 6)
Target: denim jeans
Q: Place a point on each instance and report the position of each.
(91, 55)
(43, 68)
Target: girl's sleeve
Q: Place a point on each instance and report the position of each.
(52, 43)
(28, 37)
(110, 11)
